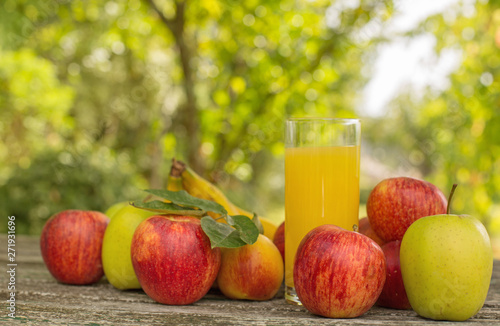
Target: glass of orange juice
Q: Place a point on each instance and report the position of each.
(321, 181)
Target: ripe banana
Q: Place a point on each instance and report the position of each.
(199, 187)
(174, 183)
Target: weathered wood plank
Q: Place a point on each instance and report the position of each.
(40, 300)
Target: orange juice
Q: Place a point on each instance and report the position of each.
(322, 187)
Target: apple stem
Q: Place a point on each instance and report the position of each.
(450, 198)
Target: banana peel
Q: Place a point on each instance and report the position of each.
(198, 186)
(174, 183)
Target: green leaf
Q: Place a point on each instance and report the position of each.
(258, 224)
(182, 198)
(239, 230)
(246, 227)
(220, 234)
(229, 219)
(167, 208)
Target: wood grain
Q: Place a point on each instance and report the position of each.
(41, 300)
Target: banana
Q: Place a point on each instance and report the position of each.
(199, 187)
(174, 183)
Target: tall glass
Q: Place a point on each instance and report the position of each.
(321, 181)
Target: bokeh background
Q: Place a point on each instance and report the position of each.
(97, 97)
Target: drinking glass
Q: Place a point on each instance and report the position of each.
(321, 181)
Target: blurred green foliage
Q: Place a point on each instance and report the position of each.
(451, 136)
(56, 181)
(96, 97)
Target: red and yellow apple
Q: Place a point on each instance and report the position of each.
(338, 273)
(279, 239)
(395, 203)
(173, 259)
(71, 243)
(393, 294)
(366, 229)
(251, 272)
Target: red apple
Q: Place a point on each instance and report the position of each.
(395, 203)
(338, 273)
(173, 259)
(393, 294)
(279, 240)
(251, 272)
(71, 244)
(366, 229)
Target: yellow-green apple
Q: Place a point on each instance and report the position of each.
(446, 263)
(393, 294)
(395, 203)
(116, 259)
(71, 243)
(173, 259)
(338, 273)
(279, 239)
(113, 209)
(366, 229)
(251, 272)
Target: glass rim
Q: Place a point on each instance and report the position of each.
(312, 119)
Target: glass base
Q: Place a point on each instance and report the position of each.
(291, 296)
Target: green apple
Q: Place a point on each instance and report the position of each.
(116, 260)
(113, 209)
(446, 264)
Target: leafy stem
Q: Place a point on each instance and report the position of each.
(238, 230)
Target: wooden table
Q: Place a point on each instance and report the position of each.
(40, 300)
